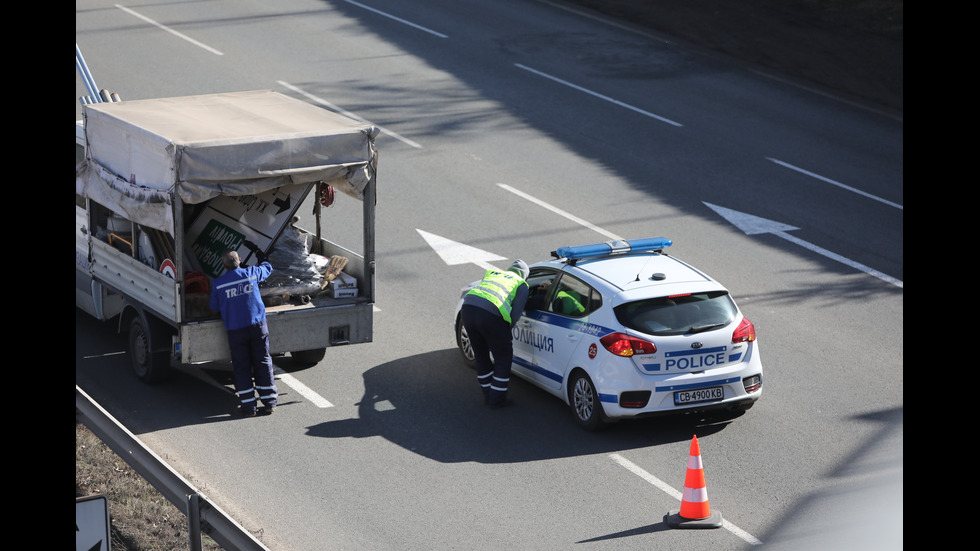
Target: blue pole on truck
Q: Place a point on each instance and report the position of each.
(93, 90)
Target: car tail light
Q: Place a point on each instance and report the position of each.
(752, 383)
(634, 399)
(622, 344)
(744, 333)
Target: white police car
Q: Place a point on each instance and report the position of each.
(622, 330)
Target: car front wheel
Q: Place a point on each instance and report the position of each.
(584, 401)
(463, 342)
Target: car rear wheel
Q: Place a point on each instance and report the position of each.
(584, 401)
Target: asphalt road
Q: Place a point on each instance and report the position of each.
(517, 127)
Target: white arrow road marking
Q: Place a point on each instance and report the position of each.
(753, 225)
(453, 253)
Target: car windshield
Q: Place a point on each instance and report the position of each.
(678, 315)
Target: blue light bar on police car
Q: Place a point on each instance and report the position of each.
(613, 247)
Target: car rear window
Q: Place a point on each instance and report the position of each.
(678, 315)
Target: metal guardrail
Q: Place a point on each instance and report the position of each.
(202, 514)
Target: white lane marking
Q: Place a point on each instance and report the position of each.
(285, 378)
(336, 109)
(672, 492)
(598, 95)
(633, 468)
(836, 183)
(400, 20)
(775, 230)
(558, 211)
(655, 36)
(843, 260)
(169, 30)
(303, 390)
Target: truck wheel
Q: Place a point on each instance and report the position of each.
(150, 367)
(309, 356)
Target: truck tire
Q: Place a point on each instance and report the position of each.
(149, 366)
(309, 357)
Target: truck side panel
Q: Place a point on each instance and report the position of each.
(130, 277)
(290, 330)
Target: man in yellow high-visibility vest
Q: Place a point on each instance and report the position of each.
(489, 312)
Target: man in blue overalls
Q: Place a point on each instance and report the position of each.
(489, 312)
(235, 294)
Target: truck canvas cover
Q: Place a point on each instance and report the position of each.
(143, 155)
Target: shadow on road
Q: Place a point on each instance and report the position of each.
(430, 404)
(859, 505)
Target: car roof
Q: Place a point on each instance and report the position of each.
(633, 269)
(641, 272)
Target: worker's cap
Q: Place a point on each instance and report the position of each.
(520, 268)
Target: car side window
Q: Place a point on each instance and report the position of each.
(539, 285)
(574, 298)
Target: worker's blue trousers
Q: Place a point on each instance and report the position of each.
(490, 334)
(251, 361)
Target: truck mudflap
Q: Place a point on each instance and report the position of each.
(293, 329)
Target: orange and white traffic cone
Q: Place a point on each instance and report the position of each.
(695, 510)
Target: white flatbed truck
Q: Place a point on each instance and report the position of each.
(163, 186)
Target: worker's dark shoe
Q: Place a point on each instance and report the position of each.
(242, 412)
(501, 405)
(267, 410)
